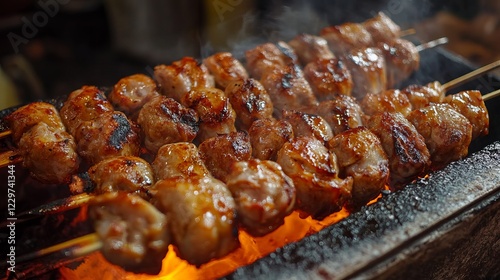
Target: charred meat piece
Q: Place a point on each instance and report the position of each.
(328, 77)
(341, 113)
(391, 100)
(382, 28)
(308, 125)
(361, 156)
(263, 193)
(178, 160)
(123, 173)
(110, 135)
(288, 88)
(225, 68)
(310, 48)
(49, 153)
(134, 233)
(267, 136)
(447, 133)
(422, 96)
(471, 105)
(164, 120)
(181, 77)
(368, 71)
(214, 110)
(85, 104)
(314, 171)
(201, 215)
(402, 59)
(268, 57)
(24, 118)
(343, 38)
(405, 148)
(129, 94)
(250, 99)
(220, 152)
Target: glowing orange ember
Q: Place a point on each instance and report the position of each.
(295, 228)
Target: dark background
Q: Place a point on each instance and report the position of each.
(100, 41)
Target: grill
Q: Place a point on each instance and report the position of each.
(441, 227)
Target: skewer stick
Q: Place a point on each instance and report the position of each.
(9, 157)
(432, 44)
(6, 133)
(59, 205)
(471, 75)
(76, 247)
(407, 32)
(491, 95)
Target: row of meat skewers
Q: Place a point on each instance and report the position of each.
(308, 145)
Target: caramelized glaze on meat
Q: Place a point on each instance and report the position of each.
(268, 57)
(447, 133)
(201, 216)
(85, 104)
(109, 135)
(368, 71)
(220, 152)
(405, 148)
(179, 160)
(181, 77)
(422, 96)
(214, 110)
(49, 153)
(391, 100)
(267, 136)
(328, 77)
(164, 120)
(308, 125)
(263, 193)
(133, 232)
(24, 118)
(361, 156)
(345, 37)
(288, 88)
(314, 171)
(250, 99)
(402, 59)
(129, 94)
(123, 173)
(471, 105)
(225, 68)
(310, 48)
(382, 28)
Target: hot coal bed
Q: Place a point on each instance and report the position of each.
(444, 226)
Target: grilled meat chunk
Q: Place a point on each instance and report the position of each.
(181, 77)
(405, 148)
(471, 105)
(343, 38)
(402, 59)
(267, 136)
(263, 193)
(164, 120)
(129, 94)
(49, 153)
(382, 28)
(123, 173)
(214, 110)
(220, 152)
(178, 160)
(134, 233)
(361, 156)
(447, 133)
(225, 68)
(250, 99)
(314, 171)
(422, 96)
(391, 100)
(328, 77)
(268, 57)
(308, 125)
(310, 48)
(201, 216)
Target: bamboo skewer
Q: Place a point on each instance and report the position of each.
(491, 95)
(407, 32)
(471, 75)
(432, 44)
(4, 134)
(8, 158)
